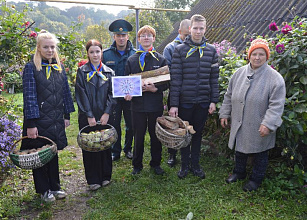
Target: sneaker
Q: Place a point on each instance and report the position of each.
(158, 170)
(234, 177)
(136, 171)
(93, 187)
(105, 183)
(183, 172)
(60, 194)
(48, 196)
(129, 155)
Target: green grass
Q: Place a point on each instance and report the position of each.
(15, 98)
(148, 196)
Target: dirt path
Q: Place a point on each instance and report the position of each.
(74, 205)
(75, 186)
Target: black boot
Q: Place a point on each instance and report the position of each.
(171, 160)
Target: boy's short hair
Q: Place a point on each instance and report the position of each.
(197, 18)
(147, 28)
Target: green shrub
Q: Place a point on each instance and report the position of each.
(289, 57)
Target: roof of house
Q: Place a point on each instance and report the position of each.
(231, 19)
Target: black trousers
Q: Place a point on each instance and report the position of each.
(122, 107)
(171, 151)
(47, 177)
(260, 165)
(97, 166)
(197, 117)
(140, 122)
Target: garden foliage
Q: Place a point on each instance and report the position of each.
(9, 132)
(289, 57)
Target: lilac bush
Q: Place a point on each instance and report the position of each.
(10, 131)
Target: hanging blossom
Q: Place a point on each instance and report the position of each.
(280, 48)
(33, 34)
(26, 24)
(273, 26)
(286, 29)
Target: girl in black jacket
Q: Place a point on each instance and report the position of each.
(47, 104)
(95, 103)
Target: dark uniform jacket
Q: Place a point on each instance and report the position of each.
(148, 102)
(117, 62)
(94, 98)
(194, 80)
(46, 101)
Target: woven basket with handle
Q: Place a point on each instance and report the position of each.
(91, 144)
(34, 160)
(170, 140)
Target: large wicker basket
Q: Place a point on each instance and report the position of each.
(170, 140)
(99, 144)
(34, 160)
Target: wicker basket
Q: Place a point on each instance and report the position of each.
(172, 140)
(99, 143)
(34, 160)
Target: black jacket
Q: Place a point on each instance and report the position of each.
(53, 101)
(148, 102)
(194, 79)
(94, 98)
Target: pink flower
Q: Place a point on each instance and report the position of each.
(273, 67)
(26, 24)
(273, 27)
(286, 29)
(280, 48)
(33, 34)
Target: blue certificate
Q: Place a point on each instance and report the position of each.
(126, 85)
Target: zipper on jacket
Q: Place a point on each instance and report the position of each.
(54, 90)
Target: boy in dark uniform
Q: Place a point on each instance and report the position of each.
(115, 57)
(148, 107)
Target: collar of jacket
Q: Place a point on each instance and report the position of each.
(87, 68)
(188, 40)
(53, 61)
(128, 47)
(259, 70)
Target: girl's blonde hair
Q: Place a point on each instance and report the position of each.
(37, 59)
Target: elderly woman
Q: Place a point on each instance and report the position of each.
(254, 101)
